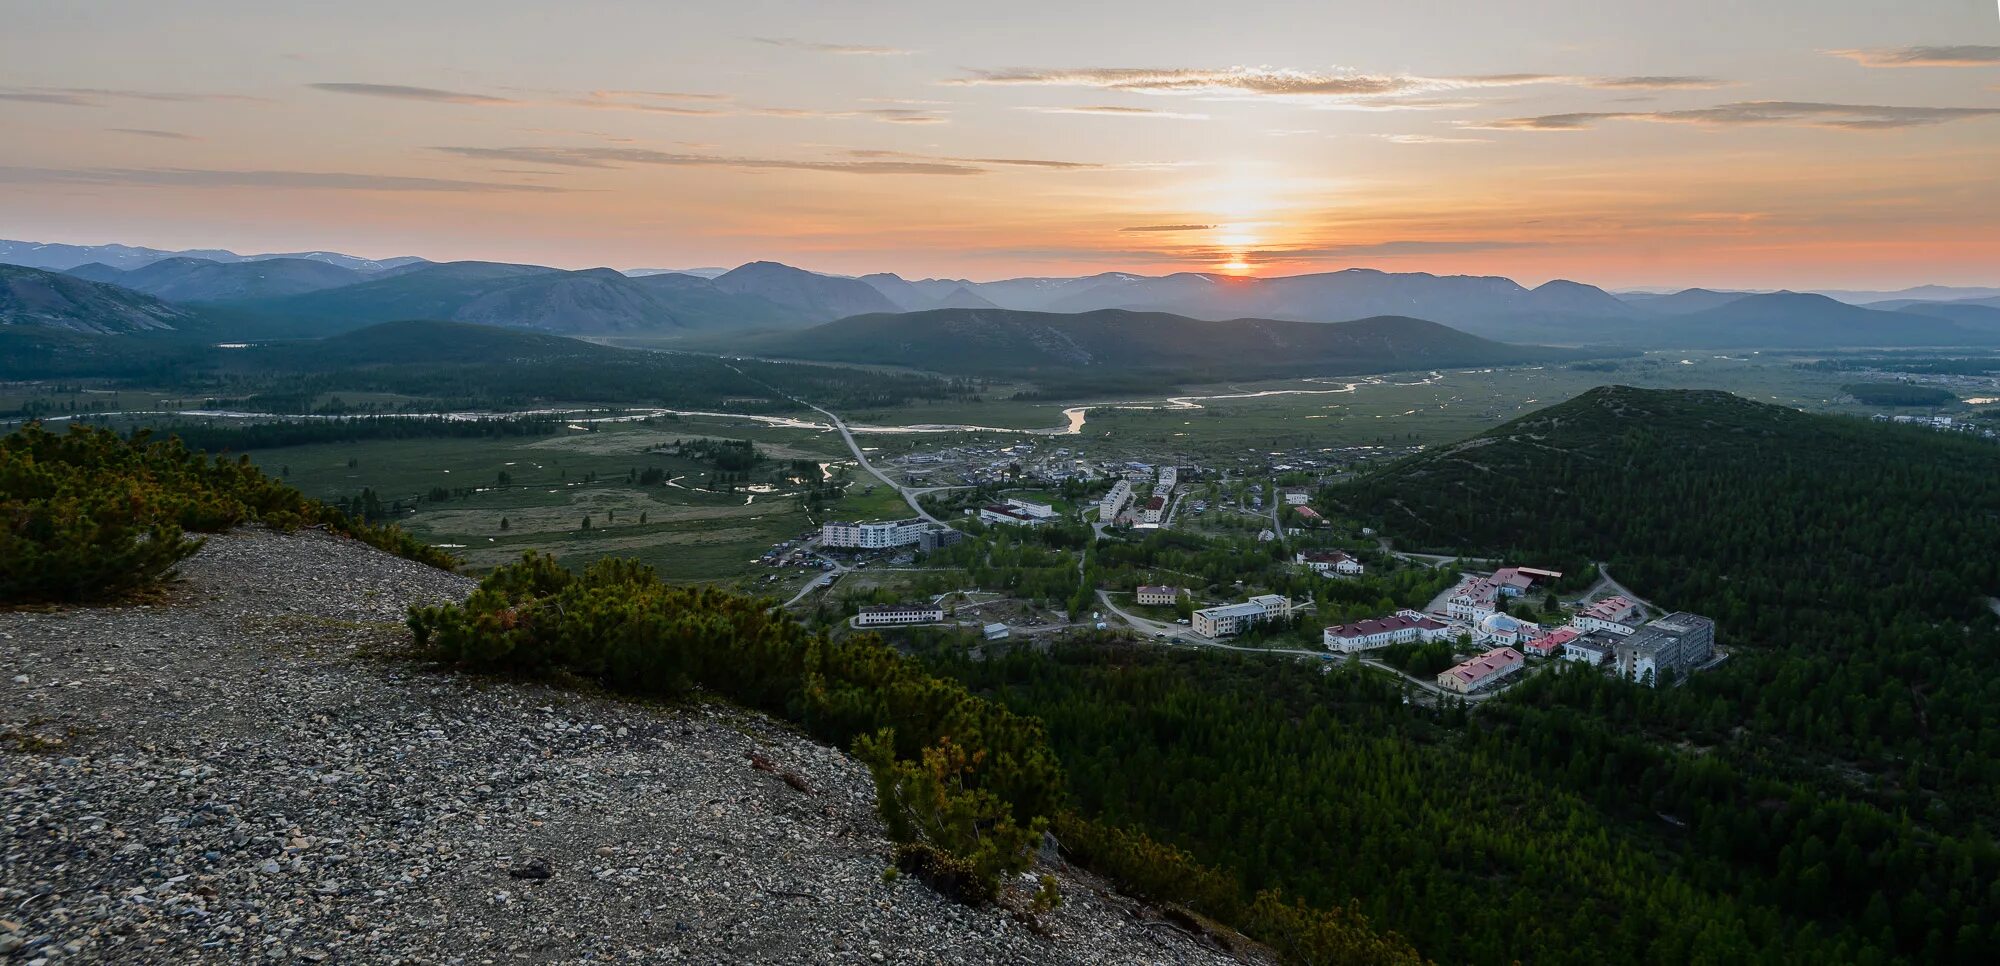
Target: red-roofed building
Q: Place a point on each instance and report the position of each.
(1551, 644)
(1481, 671)
(1154, 508)
(1402, 627)
(1515, 581)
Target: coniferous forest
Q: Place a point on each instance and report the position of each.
(1827, 794)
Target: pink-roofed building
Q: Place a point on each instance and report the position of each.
(1482, 670)
(1402, 627)
(1472, 601)
(1551, 644)
(1615, 615)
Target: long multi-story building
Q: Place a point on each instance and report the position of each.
(1169, 476)
(1612, 614)
(875, 535)
(1230, 619)
(1675, 644)
(1114, 502)
(1155, 508)
(1481, 671)
(1401, 627)
(878, 615)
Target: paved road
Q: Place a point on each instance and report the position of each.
(1606, 586)
(909, 494)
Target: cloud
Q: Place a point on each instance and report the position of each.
(1962, 55)
(198, 178)
(866, 50)
(408, 93)
(1168, 228)
(1430, 139)
(1002, 162)
(1114, 110)
(1849, 117)
(96, 96)
(624, 157)
(887, 115)
(150, 133)
(1343, 86)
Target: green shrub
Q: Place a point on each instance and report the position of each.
(967, 786)
(90, 514)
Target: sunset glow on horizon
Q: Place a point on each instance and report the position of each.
(1794, 145)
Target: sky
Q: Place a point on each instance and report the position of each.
(1783, 143)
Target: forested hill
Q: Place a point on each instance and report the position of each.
(1000, 341)
(1848, 566)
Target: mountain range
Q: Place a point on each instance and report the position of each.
(322, 293)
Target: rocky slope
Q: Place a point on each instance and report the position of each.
(244, 772)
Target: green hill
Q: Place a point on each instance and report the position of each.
(51, 300)
(1115, 341)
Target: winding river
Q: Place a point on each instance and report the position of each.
(1074, 418)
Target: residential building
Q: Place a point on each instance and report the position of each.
(878, 615)
(1675, 644)
(1157, 596)
(1472, 601)
(876, 535)
(1328, 562)
(1551, 644)
(1040, 511)
(1593, 648)
(938, 538)
(1405, 626)
(1481, 671)
(1232, 619)
(1296, 496)
(1612, 614)
(1169, 476)
(1266, 535)
(1155, 508)
(1002, 513)
(1115, 501)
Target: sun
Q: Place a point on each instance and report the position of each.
(1236, 266)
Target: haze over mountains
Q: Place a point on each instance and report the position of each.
(322, 293)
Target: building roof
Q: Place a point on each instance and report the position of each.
(1607, 609)
(1486, 665)
(1156, 503)
(1500, 624)
(899, 608)
(1006, 511)
(1325, 556)
(1159, 590)
(1307, 512)
(1380, 625)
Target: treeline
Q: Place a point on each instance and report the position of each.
(240, 437)
(1898, 394)
(89, 514)
(1518, 835)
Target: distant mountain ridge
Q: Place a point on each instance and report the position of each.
(201, 280)
(128, 257)
(1119, 342)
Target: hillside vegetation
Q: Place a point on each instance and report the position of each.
(1848, 566)
(88, 514)
(1116, 342)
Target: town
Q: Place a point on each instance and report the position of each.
(1178, 553)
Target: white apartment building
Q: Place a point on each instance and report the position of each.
(876, 535)
(1114, 502)
(1040, 511)
(1157, 596)
(1230, 619)
(1169, 476)
(1612, 614)
(878, 615)
(1155, 508)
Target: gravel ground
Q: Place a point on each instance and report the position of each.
(228, 776)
